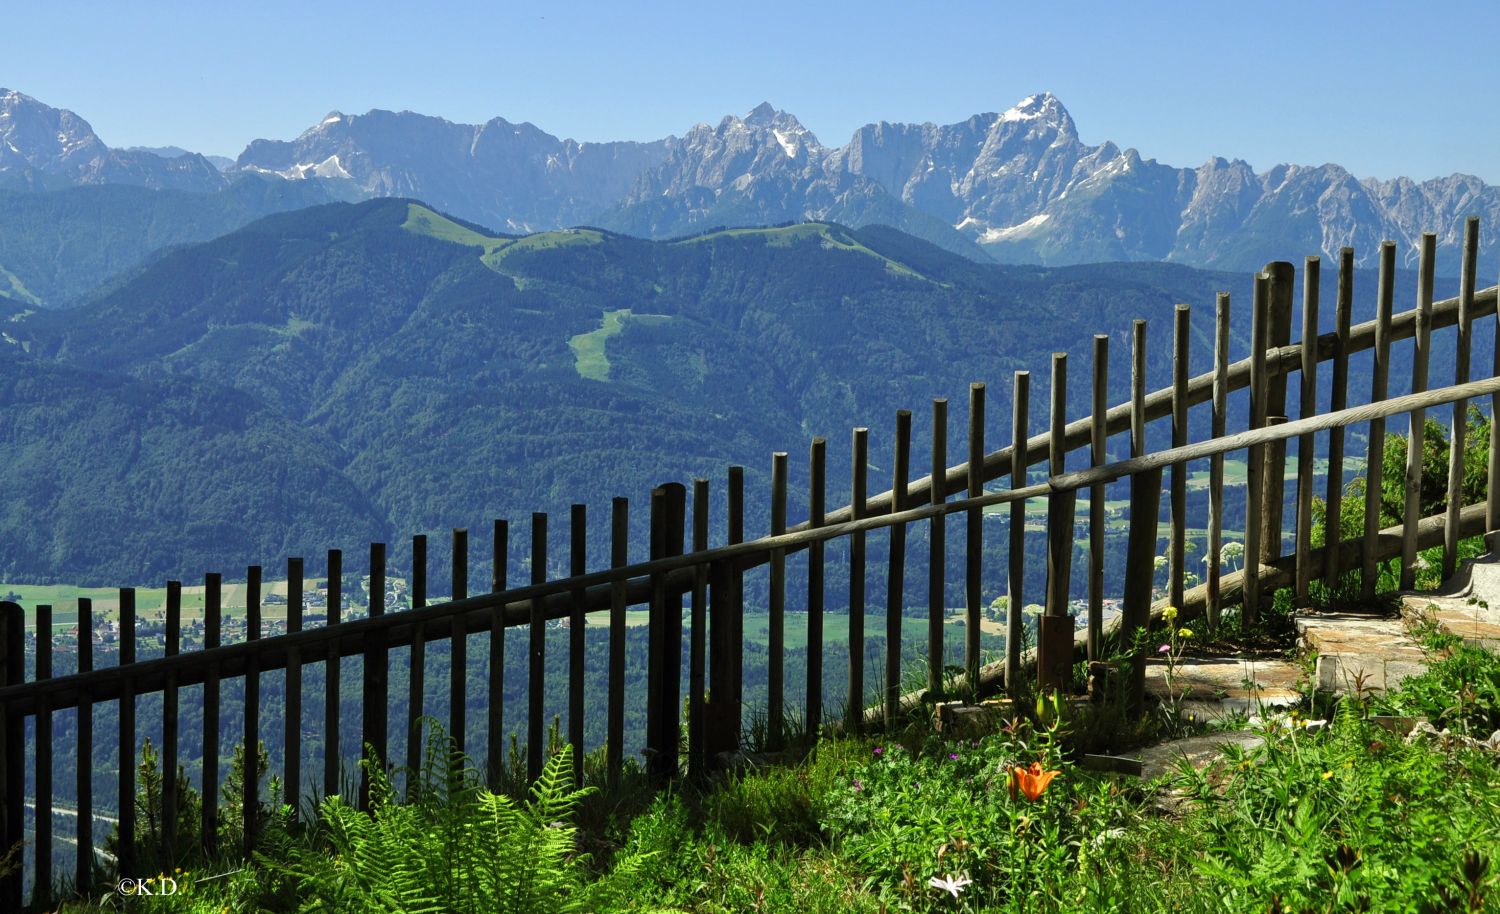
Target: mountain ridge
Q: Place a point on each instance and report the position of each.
(1015, 186)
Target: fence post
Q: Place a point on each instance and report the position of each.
(1098, 437)
(1014, 613)
(1333, 533)
(619, 556)
(84, 867)
(1278, 333)
(735, 520)
(974, 547)
(1054, 659)
(1145, 502)
(292, 745)
(332, 688)
(12, 750)
(417, 669)
(1177, 546)
(495, 723)
(1418, 417)
(169, 708)
(1307, 406)
(1457, 441)
(1375, 454)
(537, 652)
(250, 794)
(671, 692)
(698, 648)
(376, 700)
(776, 623)
(859, 464)
(895, 590)
(458, 656)
(126, 812)
(1255, 470)
(42, 884)
(937, 553)
(817, 470)
(1215, 552)
(577, 565)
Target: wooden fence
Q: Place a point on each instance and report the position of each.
(682, 566)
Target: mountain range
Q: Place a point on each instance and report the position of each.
(1018, 186)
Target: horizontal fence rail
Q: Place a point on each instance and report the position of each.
(684, 575)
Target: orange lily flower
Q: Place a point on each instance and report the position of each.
(1031, 781)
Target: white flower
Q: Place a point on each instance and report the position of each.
(951, 884)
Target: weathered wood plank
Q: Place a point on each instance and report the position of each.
(578, 545)
(495, 705)
(896, 569)
(1283, 278)
(458, 656)
(537, 654)
(817, 490)
(619, 557)
(1098, 440)
(1255, 516)
(332, 692)
(170, 704)
(417, 674)
(1458, 432)
(1339, 399)
(698, 645)
(1417, 420)
(776, 624)
(937, 555)
(250, 794)
(859, 465)
(83, 869)
(1135, 615)
(974, 535)
(13, 749)
(42, 756)
(375, 705)
(1177, 545)
(292, 759)
(1020, 419)
(1215, 553)
(1307, 406)
(1379, 377)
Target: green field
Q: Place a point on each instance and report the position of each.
(589, 357)
(63, 598)
(786, 236)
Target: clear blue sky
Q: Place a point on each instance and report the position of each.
(1382, 88)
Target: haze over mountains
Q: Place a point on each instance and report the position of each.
(366, 371)
(1017, 186)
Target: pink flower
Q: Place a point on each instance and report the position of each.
(859, 785)
(1164, 649)
(879, 750)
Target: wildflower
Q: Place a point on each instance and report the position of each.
(952, 756)
(859, 785)
(1164, 649)
(1170, 613)
(1327, 775)
(1184, 633)
(879, 750)
(1031, 781)
(950, 884)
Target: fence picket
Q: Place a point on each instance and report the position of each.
(896, 569)
(1417, 421)
(1375, 453)
(1458, 432)
(1339, 398)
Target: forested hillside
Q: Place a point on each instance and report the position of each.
(431, 374)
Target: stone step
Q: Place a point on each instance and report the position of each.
(1360, 652)
(1212, 688)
